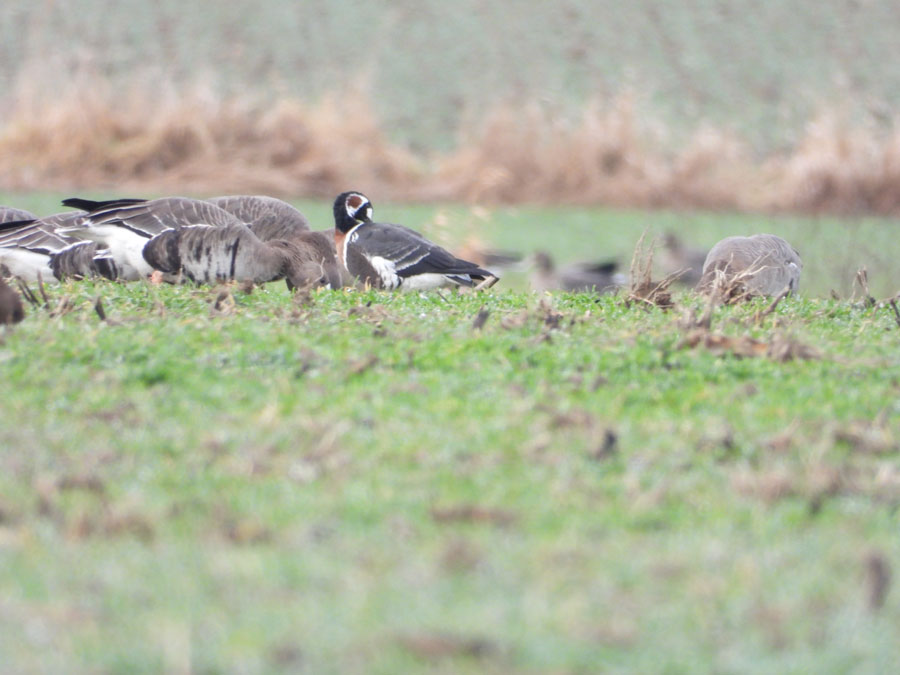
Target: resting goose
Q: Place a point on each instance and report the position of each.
(600, 277)
(208, 254)
(268, 217)
(764, 263)
(384, 255)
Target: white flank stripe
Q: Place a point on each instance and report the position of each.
(26, 264)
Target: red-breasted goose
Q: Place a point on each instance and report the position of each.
(384, 255)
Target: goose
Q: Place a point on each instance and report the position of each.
(124, 226)
(11, 310)
(680, 257)
(599, 277)
(764, 263)
(208, 254)
(9, 214)
(384, 255)
(37, 247)
(268, 217)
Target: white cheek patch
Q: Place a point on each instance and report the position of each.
(369, 213)
(352, 205)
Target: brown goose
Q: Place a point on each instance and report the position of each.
(11, 310)
(269, 218)
(384, 255)
(764, 263)
(599, 277)
(208, 254)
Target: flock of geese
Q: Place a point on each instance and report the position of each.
(261, 239)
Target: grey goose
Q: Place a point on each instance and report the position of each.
(208, 254)
(268, 217)
(124, 226)
(37, 247)
(9, 214)
(764, 263)
(204, 242)
(385, 255)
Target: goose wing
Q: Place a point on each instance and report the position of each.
(149, 218)
(40, 235)
(406, 253)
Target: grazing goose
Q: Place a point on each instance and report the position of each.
(124, 226)
(11, 310)
(29, 248)
(9, 214)
(600, 277)
(764, 263)
(384, 255)
(208, 254)
(269, 218)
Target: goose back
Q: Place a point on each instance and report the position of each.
(268, 217)
(9, 214)
(765, 263)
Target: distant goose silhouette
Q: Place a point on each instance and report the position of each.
(384, 255)
(765, 263)
(601, 277)
(208, 254)
(677, 256)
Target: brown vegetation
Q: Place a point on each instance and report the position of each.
(613, 153)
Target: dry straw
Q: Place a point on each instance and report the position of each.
(611, 153)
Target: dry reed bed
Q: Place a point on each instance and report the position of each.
(611, 154)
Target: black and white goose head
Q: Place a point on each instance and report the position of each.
(351, 209)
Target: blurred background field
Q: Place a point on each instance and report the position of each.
(710, 104)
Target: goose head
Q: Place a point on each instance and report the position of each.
(351, 209)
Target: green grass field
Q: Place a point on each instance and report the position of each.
(365, 482)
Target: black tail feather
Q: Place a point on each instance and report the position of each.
(90, 205)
